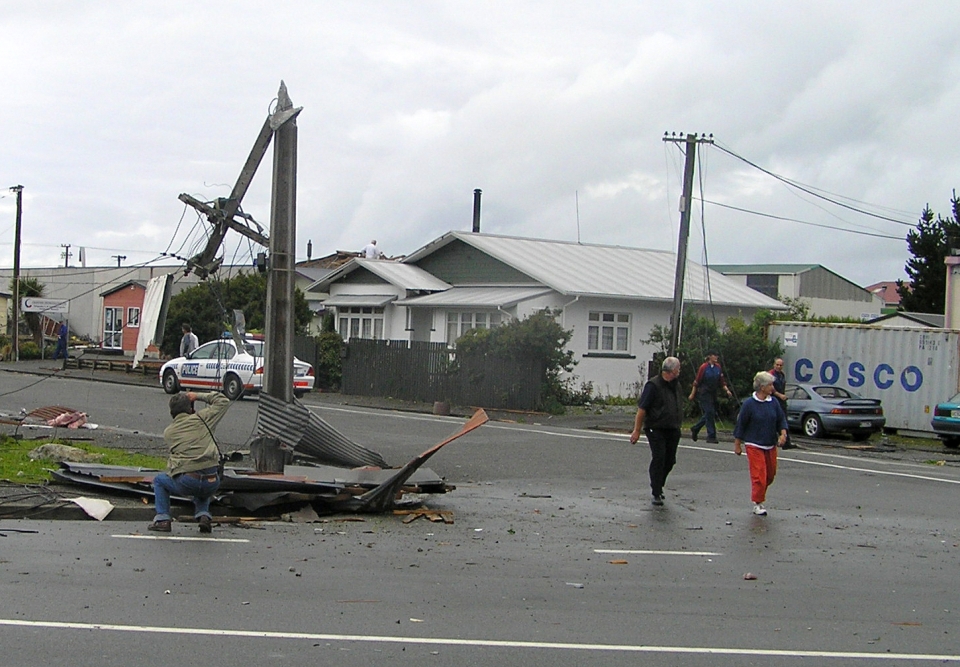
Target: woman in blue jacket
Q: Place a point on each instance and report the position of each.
(761, 426)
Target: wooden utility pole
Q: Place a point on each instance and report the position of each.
(16, 275)
(685, 206)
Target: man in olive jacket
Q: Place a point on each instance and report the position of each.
(659, 414)
(193, 466)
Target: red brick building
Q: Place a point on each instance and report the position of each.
(120, 321)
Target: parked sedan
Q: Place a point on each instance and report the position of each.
(820, 409)
(219, 365)
(946, 422)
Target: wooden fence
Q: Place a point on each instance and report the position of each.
(428, 372)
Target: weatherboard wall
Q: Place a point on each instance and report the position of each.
(909, 370)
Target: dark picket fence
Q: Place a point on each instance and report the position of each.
(430, 372)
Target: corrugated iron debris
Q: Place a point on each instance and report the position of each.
(364, 487)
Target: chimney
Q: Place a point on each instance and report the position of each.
(309, 249)
(476, 211)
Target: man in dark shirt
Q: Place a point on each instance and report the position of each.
(659, 415)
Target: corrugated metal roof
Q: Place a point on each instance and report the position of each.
(404, 276)
(606, 271)
(375, 300)
(477, 296)
(766, 269)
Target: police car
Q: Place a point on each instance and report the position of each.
(219, 365)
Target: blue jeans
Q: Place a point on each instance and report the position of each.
(708, 404)
(193, 485)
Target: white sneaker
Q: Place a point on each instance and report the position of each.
(759, 510)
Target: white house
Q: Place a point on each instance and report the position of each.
(609, 296)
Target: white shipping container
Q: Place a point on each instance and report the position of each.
(909, 370)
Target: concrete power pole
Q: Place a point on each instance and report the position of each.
(279, 326)
(676, 318)
(16, 275)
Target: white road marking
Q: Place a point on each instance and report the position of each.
(486, 643)
(600, 435)
(177, 538)
(652, 552)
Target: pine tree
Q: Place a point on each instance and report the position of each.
(929, 245)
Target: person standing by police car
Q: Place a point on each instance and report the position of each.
(659, 415)
(194, 463)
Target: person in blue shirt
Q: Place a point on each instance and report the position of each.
(710, 378)
(761, 426)
(62, 341)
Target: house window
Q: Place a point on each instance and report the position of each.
(608, 332)
(460, 322)
(765, 284)
(360, 322)
(133, 317)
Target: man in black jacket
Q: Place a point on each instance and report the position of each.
(659, 415)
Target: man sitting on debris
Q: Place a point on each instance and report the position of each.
(194, 461)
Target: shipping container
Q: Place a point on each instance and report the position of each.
(909, 370)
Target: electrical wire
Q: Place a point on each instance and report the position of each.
(808, 190)
(803, 222)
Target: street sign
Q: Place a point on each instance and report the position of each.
(29, 304)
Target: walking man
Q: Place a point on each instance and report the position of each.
(659, 416)
(710, 378)
(193, 466)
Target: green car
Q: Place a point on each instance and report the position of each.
(946, 422)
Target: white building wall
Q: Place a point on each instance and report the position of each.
(82, 286)
(789, 286)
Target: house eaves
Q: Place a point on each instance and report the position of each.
(477, 297)
(404, 276)
(360, 300)
(603, 271)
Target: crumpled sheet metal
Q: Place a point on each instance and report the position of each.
(292, 424)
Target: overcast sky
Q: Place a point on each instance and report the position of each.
(556, 110)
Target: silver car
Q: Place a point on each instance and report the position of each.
(818, 409)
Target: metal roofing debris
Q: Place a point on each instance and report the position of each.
(292, 424)
(359, 489)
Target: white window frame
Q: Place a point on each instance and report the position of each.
(460, 322)
(608, 332)
(133, 310)
(360, 322)
(113, 337)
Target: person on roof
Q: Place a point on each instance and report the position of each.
(371, 251)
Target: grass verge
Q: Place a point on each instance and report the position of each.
(17, 466)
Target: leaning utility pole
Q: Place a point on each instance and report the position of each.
(226, 213)
(16, 275)
(685, 205)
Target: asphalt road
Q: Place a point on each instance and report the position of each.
(555, 558)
